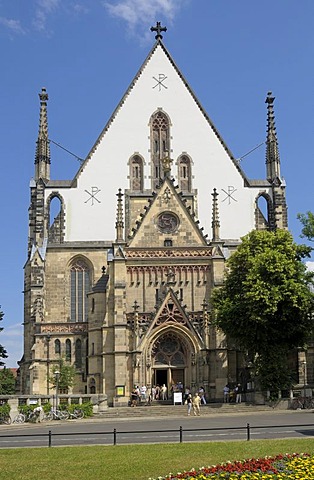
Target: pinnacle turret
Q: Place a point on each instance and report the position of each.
(215, 217)
(272, 151)
(119, 221)
(42, 157)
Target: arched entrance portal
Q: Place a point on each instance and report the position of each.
(170, 360)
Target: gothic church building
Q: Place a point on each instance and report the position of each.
(123, 293)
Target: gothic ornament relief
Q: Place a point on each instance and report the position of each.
(156, 253)
(76, 328)
(167, 222)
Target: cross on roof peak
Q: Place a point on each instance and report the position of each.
(158, 29)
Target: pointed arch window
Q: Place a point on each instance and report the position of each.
(184, 173)
(57, 347)
(68, 350)
(78, 353)
(160, 144)
(136, 174)
(55, 218)
(80, 285)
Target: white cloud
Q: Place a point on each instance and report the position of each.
(79, 8)
(13, 25)
(43, 9)
(141, 12)
(310, 266)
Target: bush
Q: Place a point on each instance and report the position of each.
(87, 408)
(27, 409)
(5, 410)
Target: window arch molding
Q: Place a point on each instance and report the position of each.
(55, 220)
(80, 283)
(136, 172)
(184, 168)
(160, 143)
(264, 220)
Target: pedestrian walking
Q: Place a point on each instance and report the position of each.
(196, 402)
(188, 402)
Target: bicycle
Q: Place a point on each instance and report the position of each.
(19, 418)
(301, 403)
(76, 414)
(5, 419)
(25, 417)
(56, 415)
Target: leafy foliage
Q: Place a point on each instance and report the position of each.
(5, 410)
(265, 304)
(66, 376)
(307, 220)
(3, 352)
(7, 382)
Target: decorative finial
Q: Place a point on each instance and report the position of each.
(158, 29)
(215, 218)
(272, 151)
(119, 222)
(42, 155)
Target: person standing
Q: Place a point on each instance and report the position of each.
(188, 401)
(238, 393)
(143, 391)
(202, 395)
(226, 392)
(163, 391)
(196, 404)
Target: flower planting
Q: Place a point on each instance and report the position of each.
(281, 467)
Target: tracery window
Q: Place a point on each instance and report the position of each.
(136, 174)
(80, 285)
(184, 173)
(68, 350)
(160, 144)
(168, 350)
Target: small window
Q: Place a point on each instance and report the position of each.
(168, 242)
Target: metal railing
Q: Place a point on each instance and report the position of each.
(115, 433)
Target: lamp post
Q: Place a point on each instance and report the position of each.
(48, 338)
(57, 376)
(304, 382)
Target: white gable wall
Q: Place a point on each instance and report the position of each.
(93, 219)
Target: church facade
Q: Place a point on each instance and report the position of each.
(123, 293)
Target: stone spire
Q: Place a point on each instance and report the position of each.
(272, 152)
(42, 157)
(119, 221)
(215, 217)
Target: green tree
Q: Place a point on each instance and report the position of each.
(307, 220)
(7, 382)
(65, 377)
(3, 352)
(265, 304)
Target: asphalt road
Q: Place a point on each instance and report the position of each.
(224, 427)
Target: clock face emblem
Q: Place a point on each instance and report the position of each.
(167, 222)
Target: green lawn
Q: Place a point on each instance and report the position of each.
(133, 462)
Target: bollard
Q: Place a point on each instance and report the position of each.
(49, 438)
(114, 436)
(181, 436)
(248, 433)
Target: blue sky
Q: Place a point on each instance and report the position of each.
(86, 53)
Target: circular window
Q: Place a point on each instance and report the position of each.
(167, 222)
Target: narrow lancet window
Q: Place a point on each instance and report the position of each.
(160, 144)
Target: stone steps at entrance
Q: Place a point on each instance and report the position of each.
(159, 410)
